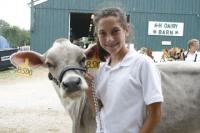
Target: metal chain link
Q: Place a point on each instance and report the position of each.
(97, 109)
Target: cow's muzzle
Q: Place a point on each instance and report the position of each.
(73, 82)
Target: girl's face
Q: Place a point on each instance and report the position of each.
(111, 35)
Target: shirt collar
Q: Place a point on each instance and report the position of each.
(130, 57)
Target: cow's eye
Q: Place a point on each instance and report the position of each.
(49, 65)
(82, 61)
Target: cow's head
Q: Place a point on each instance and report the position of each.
(66, 64)
(176, 53)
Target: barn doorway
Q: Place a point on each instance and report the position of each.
(81, 27)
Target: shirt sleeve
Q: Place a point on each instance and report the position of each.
(151, 82)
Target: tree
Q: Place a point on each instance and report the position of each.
(14, 34)
(3, 24)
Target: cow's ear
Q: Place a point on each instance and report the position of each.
(91, 51)
(33, 59)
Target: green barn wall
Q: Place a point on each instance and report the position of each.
(50, 20)
(143, 39)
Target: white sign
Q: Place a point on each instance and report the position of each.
(165, 28)
(5, 58)
(166, 43)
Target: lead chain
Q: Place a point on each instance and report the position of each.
(97, 109)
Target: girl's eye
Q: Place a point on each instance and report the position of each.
(115, 31)
(101, 33)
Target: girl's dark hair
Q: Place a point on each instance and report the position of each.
(103, 54)
(112, 11)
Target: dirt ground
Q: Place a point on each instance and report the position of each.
(30, 105)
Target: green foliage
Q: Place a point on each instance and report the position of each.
(3, 24)
(15, 35)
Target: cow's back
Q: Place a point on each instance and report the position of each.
(181, 90)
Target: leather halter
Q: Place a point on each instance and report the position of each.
(67, 68)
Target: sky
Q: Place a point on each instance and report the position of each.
(16, 13)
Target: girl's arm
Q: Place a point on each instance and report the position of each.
(153, 118)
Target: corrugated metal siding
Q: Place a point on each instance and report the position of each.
(49, 25)
(52, 19)
(163, 6)
(140, 22)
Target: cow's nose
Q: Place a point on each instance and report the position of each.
(72, 84)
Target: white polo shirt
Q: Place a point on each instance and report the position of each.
(125, 90)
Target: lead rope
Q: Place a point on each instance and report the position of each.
(97, 110)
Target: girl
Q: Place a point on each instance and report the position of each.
(127, 84)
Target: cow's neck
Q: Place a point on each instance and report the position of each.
(75, 109)
(83, 119)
